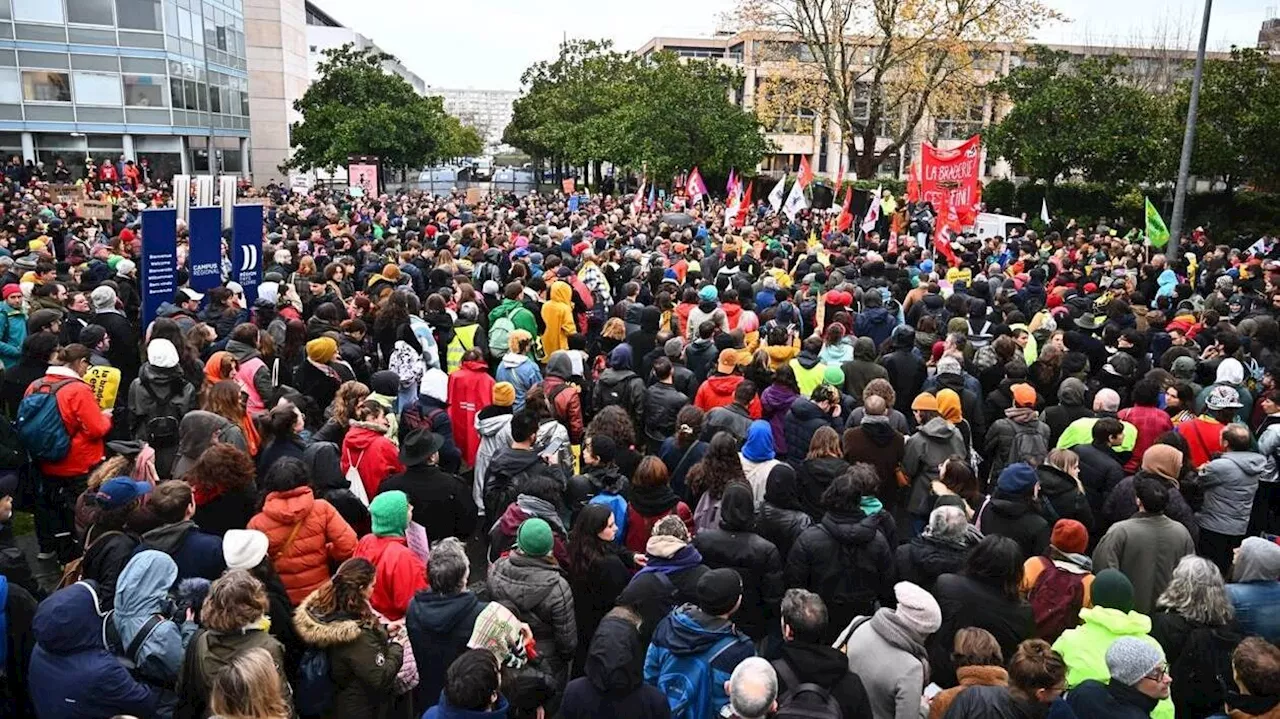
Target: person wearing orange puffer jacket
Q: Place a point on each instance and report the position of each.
(304, 534)
(87, 425)
(557, 315)
(367, 447)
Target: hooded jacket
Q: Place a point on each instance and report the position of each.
(197, 553)
(828, 668)
(782, 517)
(323, 536)
(557, 314)
(328, 483)
(803, 421)
(1071, 406)
(845, 560)
(904, 368)
(1061, 498)
(520, 316)
(775, 401)
(363, 661)
(399, 573)
(439, 626)
(1016, 517)
(971, 398)
(925, 558)
(623, 383)
(143, 591)
(613, 682)
(470, 390)
(1000, 437)
(84, 421)
(373, 455)
(159, 392)
(521, 371)
(809, 370)
(538, 591)
(700, 357)
(1084, 648)
(493, 427)
(565, 395)
(923, 453)
(735, 545)
(689, 632)
(72, 674)
(197, 431)
(813, 477)
(863, 368)
(1255, 589)
(876, 323)
(1230, 482)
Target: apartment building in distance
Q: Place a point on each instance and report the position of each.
(488, 111)
(760, 55)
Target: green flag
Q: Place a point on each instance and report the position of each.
(1157, 233)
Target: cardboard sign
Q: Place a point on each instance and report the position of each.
(568, 184)
(94, 210)
(105, 383)
(475, 195)
(66, 194)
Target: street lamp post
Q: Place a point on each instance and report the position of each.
(1188, 139)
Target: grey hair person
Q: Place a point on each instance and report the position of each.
(752, 689)
(1197, 593)
(1106, 400)
(805, 614)
(947, 523)
(448, 568)
(468, 312)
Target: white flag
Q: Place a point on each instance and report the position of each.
(1044, 210)
(775, 195)
(796, 201)
(873, 213)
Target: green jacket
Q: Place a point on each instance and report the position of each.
(1081, 432)
(520, 315)
(1084, 648)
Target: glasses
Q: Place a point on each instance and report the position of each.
(1158, 674)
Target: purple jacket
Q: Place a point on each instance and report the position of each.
(775, 401)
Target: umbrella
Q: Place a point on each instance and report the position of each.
(677, 219)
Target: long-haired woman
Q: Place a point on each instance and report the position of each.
(249, 688)
(342, 410)
(222, 487)
(684, 449)
(708, 478)
(281, 430)
(225, 399)
(363, 658)
(599, 569)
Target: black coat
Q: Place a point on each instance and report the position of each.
(781, 526)
(907, 373)
(439, 626)
(1095, 700)
(757, 561)
(442, 502)
(124, 352)
(662, 402)
(993, 702)
(814, 476)
(1015, 517)
(966, 602)
(922, 560)
(1060, 498)
(846, 560)
(828, 668)
(803, 420)
(614, 687)
(319, 387)
(1100, 472)
(230, 510)
(595, 592)
(1198, 654)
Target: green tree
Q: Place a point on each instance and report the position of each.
(1082, 117)
(1236, 129)
(356, 108)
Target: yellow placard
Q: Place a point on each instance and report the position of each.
(105, 383)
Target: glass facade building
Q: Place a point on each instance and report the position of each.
(165, 80)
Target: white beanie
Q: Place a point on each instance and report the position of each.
(269, 291)
(125, 268)
(917, 609)
(243, 548)
(162, 354)
(435, 384)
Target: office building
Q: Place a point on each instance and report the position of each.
(488, 111)
(164, 80)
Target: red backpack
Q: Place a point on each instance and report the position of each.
(1056, 599)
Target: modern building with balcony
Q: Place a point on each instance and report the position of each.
(760, 56)
(164, 80)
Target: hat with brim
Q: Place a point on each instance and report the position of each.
(1088, 321)
(418, 446)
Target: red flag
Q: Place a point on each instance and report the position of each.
(806, 172)
(745, 207)
(948, 223)
(913, 182)
(846, 213)
(839, 175)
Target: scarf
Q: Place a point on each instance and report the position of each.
(541, 508)
(251, 437)
(870, 505)
(328, 371)
(204, 494)
(653, 501)
(890, 628)
(684, 558)
(213, 367)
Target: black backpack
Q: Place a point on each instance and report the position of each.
(162, 426)
(803, 700)
(128, 656)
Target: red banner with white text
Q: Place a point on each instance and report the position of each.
(953, 177)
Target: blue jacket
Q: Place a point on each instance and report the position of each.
(522, 372)
(876, 323)
(444, 711)
(73, 676)
(141, 592)
(1257, 606)
(197, 553)
(683, 641)
(12, 335)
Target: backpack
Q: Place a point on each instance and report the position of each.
(162, 426)
(407, 364)
(1056, 599)
(39, 424)
(128, 656)
(1027, 444)
(498, 334)
(618, 505)
(686, 680)
(803, 700)
(418, 417)
(314, 690)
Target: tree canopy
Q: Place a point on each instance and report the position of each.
(357, 108)
(1236, 133)
(594, 104)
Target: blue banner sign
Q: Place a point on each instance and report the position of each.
(205, 249)
(159, 260)
(246, 264)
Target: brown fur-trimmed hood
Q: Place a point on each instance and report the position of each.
(323, 631)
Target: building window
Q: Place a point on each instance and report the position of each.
(138, 14)
(10, 87)
(46, 86)
(37, 11)
(144, 90)
(90, 12)
(93, 88)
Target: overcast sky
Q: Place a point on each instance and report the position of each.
(487, 44)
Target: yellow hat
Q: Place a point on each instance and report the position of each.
(322, 350)
(504, 394)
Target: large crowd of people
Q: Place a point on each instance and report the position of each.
(520, 458)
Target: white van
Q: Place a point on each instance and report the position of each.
(992, 225)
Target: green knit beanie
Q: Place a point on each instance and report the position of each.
(1112, 589)
(390, 514)
(534, 538)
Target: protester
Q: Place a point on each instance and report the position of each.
(1255, 587)
(440, 620)
(887, 651)
(1138, 679)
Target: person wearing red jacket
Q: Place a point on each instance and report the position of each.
(718, 389)
(400, 572)
(87, 426)
(367, 447)
(470, 390)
